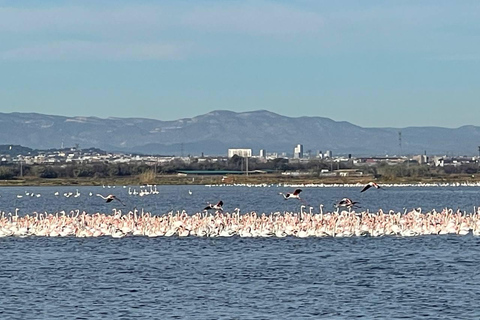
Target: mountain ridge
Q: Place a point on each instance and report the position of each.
(214, 132)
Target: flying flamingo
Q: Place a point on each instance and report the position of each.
(218, 206)
(369, 185)
(110, 198)
(292, 195)
(346, 202)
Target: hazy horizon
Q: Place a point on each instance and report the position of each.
(239, 112)
(373, 64)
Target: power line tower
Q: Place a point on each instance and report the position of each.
(400, 141)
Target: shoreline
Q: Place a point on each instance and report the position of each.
(218, 180)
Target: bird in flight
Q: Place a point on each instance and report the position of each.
(110, 198)
(369, 185)
(292, 195)
(218, 206)
(346, 202)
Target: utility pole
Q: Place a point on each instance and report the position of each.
(246, 166)
(478, 160)
(400, 141)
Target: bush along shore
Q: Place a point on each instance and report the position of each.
(230, 173)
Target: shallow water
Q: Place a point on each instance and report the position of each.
(428, 277)
(259, 199)
(432, 277)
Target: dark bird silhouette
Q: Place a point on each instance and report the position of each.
(369, 185)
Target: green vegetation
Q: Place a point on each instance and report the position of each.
(314, 171)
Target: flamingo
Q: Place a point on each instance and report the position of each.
(292, 195)
(369, 185)
(110, 198)
(218, 206)
(346, 202)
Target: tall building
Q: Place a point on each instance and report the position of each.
(298, 151)
(328, 154)
(263, 153)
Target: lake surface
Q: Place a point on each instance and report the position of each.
(428, 277)
(259, 199)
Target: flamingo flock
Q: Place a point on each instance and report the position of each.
(347, 185)
(144, 190)
(346, 223)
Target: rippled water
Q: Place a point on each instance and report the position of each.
(428, 277)
(260, 199)
(233, 278)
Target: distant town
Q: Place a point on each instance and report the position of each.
(74, 162)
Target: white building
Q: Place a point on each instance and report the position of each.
(240, 152)
(298, 151)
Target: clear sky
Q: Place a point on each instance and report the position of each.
(372, 63)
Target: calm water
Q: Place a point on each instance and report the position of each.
(430, 277)
(260, 199)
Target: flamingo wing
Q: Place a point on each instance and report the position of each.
(366, 188)
(119, 200)
(297, 192)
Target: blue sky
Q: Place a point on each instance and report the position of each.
(372, 63)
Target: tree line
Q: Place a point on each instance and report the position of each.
(315, 166)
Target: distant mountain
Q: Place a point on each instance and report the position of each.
(213, 133)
